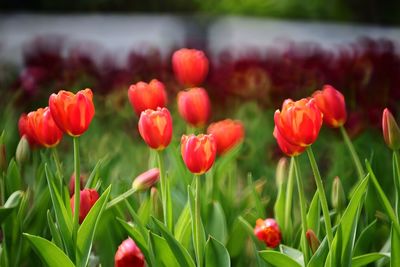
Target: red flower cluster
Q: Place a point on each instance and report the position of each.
(268, 231)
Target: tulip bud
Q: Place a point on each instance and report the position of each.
(194, 106)
(146, 180)
(227, 133)
(3, 156)
(338, 197)
(198, 152)
(144, 96)
(155, 127)
(313, 240)
(88, 198)
(268, 231)
(391, 131)
(129, 255)
(281, 172)
(23, 151)
(190, 66)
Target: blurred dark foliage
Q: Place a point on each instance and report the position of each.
(365, 11)
(366, 71)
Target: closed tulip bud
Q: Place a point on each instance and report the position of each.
(286, 147)
(331, 103)
(44, 128)
(198, 152)
(194, 106)
(268, 231)
(190, 66)
(146, 180)
(299, 121)
(391, 131)
(313, 240)
(338, 197)
(23, 151)
(72, 112)
(25, 130)
(129, 255)
(72, 183)
(281, 172)
(88, 198)
(155, 127)
(144, 96)
(227, 133)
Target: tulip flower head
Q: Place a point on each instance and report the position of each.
(391, 131)
(190, 66)
(129, 255)
(72, 112)
(268, 231)
(299, 121)
(146, 180)
(227, 133)
(198, 152)
(25, 130)
(312, 240)
(286, 147)
(155, 127)
(144, 96)
(45, 130)
(331, 103)
(88, 198)
(194, 106)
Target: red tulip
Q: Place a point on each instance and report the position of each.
(299, 121)
(312, 240)
(147, 96)
(227, 133)
(331, 103)
(25, 130)
(286, 147)
(190, 66)
(72, 112)
(268, 231)
(194, 106)
(198, 152)
(88, 198)
(391, 131)
(146, 180)
(129, 255)
(155, 127)
(45, 130)
(72, 183)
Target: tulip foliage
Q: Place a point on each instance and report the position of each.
(181, 188)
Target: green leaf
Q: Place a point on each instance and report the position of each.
(314, 214)
(181, 254)
(145, 208)
(11, 203)
(363, 243)
(217, 223)
(94, 175)
(88, 228)
(293, 253)
(395, 248)
(216, 255)
(366, 259)
(319, 257)
(279, 206)
(278, 259)
(49, 252)
(13, 178)
(54, 231)
(257, 200)
(162, 252)
(183, 226)
(168, 196)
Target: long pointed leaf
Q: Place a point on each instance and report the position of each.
(216, 255)
(278, 259)
(366, 259)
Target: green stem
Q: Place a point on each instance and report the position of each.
(77, 190)
(197, 218)
(289, 197)
(322, 196)
(164, 197)
(303, 211)
(396, 177)
(120, 198)
(354, 155)
(58, 168)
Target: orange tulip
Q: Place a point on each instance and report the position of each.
(198, 152)
(286, 147)
(144, 96)
(25, 130)
(268, 231)
(194, 106)
(129, 255)
(190, 66)
(88, 198)
(227, 133)
(72, 112)
(44, 128)
(299, 121)
(391, 131)
(155, 127)
(331, 103)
